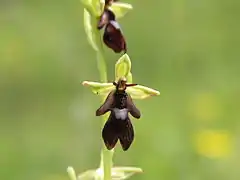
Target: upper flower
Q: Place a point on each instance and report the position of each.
(106, 12)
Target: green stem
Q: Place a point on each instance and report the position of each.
(106, 155)
(101, 67)
(106, 162)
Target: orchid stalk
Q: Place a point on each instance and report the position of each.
(92, 12)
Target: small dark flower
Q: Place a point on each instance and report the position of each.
(112, 37)
(118, 125)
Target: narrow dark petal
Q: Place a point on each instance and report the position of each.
(132, 108)
(107, 105)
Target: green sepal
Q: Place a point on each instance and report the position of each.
(98, 88)
(123, 68)
(141, 92)
(120, 9)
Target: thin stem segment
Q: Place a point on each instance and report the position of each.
(106, 155)
(101, 67)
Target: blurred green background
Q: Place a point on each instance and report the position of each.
(188, 50)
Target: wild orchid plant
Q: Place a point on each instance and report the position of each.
(97, 15)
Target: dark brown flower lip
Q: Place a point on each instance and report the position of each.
(113, 37)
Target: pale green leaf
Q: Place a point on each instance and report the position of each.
(90, 29)
(141, 92)
(120, 9)
(122, 67)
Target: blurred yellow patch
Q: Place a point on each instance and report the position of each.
(213, 144)
(205, 106)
